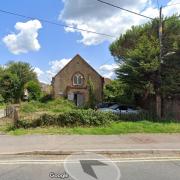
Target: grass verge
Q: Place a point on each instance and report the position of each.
(112, 129)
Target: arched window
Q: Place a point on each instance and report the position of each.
(77, 79)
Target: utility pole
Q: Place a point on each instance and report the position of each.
(158, 92)
(160, 32)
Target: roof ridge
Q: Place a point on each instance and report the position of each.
(77, 55)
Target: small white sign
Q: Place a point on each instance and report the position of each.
(71, 96)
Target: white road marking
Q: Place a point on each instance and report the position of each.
(119, 150)
(53, 162)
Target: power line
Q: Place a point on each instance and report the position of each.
(172, 5)
(54, 23)
(124, 9)
(105, 62)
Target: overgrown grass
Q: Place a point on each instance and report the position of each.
(53, 106)
(114, 128)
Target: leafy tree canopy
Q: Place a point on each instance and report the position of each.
(9, 84)
(23, 70)
(116, 91)
(13, 78)
(138, 53)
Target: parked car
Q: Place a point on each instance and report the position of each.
(105, 105)
(121, 109)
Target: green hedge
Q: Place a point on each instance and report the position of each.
(74, 118)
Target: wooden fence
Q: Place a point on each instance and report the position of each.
(11, 112)
(170, 107)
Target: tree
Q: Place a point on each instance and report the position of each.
(34, 90)
(171, 76)
(116, 91)
(1, 99)
(9, 84)
(138, 49)
(140, 67)
(24, 72)
(171, 61)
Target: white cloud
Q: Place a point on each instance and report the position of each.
(108, 70)
(95, 16)
(170, 10)
(26, 40)
(38, 71)
(42, 76)
(56, 66)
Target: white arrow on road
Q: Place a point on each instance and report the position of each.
(87, 166)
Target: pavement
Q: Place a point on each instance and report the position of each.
(68, 144)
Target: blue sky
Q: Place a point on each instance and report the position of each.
(56, 44)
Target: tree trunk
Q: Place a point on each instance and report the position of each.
(145, 96)
(158, 105)
(16, 117)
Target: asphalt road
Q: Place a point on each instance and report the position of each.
(155, 170)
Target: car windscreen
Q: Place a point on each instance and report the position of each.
(115, 106)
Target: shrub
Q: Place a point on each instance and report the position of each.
(45, 98)
(22, 124)
(74, 118)
(34, 90)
